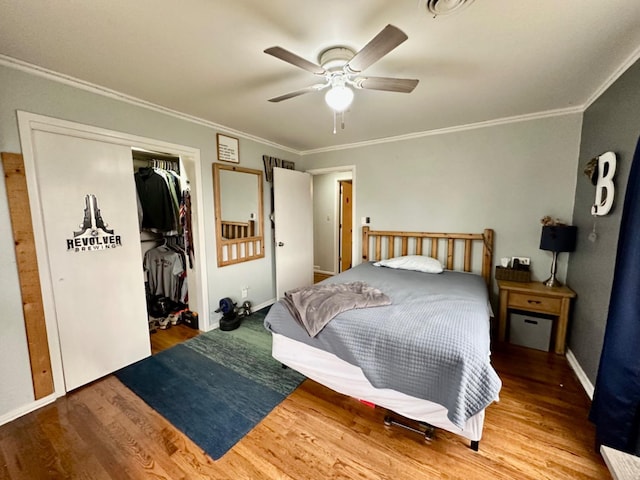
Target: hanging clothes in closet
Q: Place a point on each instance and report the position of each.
(166, 273)
(159, 196)
(161, 210)
(185, 222)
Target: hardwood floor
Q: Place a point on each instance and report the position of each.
(163, 339)
(538, 430)
(318, 277)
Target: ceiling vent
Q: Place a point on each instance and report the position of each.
(446, 7)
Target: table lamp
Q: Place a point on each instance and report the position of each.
(557, 238)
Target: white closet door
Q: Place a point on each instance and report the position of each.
(96, 272)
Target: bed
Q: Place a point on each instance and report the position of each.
(426, 355)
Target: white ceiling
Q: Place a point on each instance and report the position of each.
(495, 59)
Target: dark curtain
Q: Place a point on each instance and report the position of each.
(616, 401)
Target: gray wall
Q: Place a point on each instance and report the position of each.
(23, 91)
(505, 177)
(611, 123)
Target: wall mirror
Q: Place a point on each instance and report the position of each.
(238, 210)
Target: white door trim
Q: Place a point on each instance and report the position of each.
(30, 122)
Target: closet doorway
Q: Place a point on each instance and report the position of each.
(91, 298)
(166, 243)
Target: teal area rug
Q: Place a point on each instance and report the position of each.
(215, 387)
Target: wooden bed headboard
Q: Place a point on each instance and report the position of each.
(381, 244)
(232, 230)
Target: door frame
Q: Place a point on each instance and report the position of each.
(355, 238)
(30, 122)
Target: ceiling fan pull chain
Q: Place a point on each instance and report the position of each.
(335, 118)
(342, 118)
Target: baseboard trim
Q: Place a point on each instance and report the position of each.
(582, 377)
(254, 308)
(262, 305)
(28, 408)
(324, 272)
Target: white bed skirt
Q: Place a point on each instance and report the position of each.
(330, 371)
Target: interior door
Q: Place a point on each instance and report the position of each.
(293, 219)
(346, 224)
(88, 203)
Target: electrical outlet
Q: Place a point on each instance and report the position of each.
(245, 292)
(522, 260)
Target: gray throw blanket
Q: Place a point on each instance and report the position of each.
(315, 306)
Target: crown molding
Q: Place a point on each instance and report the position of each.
(446, 130)
(613, 77)
(107, 92)
(500, 121)
(97, 89)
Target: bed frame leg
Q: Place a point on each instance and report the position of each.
(284, 367)
(428, 432)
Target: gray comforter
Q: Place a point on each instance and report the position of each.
(432, 342)
(315, 306)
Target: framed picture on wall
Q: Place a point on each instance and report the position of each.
(228, 148)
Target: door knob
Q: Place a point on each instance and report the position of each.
(280, 244)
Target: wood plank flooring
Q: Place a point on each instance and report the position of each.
(318, 277)
(538, 430)
(163, 339)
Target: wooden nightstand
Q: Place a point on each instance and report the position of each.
(535, 297)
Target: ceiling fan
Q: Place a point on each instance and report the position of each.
(341, 68)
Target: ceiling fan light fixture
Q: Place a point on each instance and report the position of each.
(335, 58)
(339, 98)
(341, 67)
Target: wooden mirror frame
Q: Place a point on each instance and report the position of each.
(237, 241)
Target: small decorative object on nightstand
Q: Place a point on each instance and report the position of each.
(535, 297)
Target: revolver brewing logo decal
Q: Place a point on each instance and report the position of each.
(93, 233)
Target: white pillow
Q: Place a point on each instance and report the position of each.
(412, 262)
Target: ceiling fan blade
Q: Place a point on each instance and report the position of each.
(295, 60)
(402, 85)
(388, 39)
(297, 93)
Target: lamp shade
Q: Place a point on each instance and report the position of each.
(558, 238)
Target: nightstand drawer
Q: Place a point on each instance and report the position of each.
(535, 302)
